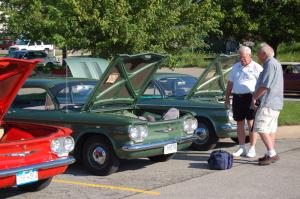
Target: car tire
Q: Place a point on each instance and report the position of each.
(99, 157)
(161, 158)
(207, 138)
(35, 186)
(236, 140)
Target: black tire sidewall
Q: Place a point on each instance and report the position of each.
(211, 140)
(111, 163)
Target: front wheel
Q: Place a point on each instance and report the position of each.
(35, 186)
(98, 156)
(161, 158)
(206, 136)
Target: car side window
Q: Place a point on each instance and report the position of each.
(29, 55)
(39, 54)
(152, 90)
(75, 95)
(31, 43)
(290, 69)
(33, 99)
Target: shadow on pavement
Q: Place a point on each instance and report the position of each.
(10, 192)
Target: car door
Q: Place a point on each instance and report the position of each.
(291, 74)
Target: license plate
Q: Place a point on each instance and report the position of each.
(24, 177)
(170, 148)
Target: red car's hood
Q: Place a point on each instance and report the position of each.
(13, 73)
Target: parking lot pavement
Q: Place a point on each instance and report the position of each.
(184, 176)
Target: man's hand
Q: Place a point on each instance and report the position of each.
(227, 102)
(253, 104)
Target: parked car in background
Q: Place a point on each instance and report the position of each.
(6, 42)
(24, 44)
(107, 124)
(30, 154)
(291, 75)
(203, 96)
(48, 60)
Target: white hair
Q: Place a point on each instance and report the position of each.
(267, 49)
(245, 49)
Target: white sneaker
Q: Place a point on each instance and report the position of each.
(240, 152)
(251, 153)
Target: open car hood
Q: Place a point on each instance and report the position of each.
(13, 73)
(124, 80)
(86, 67)
(212, 82)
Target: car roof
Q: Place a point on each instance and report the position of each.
(50, 82)
(165, 75)
(290, 63)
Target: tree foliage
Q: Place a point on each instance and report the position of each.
(109, 27)
(271, 21)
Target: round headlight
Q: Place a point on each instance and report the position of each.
(56, 146)
(190, 125)
(138, 133)
(62, 146)
(143, 131)
(69, 144)
(133, 132)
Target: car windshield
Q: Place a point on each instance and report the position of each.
(74, 95)
(15, 54)
(177, 85)
(22, 42)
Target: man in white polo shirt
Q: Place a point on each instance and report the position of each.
(241, 83)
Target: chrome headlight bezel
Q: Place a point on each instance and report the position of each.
(190, 125)
(138, 133)
(62, 146)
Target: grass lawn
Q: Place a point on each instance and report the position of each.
(290, 115)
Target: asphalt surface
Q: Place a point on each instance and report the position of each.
(185, 176)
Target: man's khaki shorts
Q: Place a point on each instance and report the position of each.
(266, 120)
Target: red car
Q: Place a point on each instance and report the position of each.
(30, 154)
(291, 74)
(5, 43)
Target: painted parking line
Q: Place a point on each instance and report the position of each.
(107, 187)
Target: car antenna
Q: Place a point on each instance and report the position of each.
(67, 88)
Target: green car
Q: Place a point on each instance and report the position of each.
(203, 96)
(107, 123)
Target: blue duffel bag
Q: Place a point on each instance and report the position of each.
(220, 160)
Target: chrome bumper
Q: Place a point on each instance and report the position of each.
(45, 165)
(142, 147)
(229, 127)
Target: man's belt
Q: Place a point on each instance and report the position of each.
(242, 94)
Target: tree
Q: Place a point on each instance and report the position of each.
(271, 21)
(109, 27)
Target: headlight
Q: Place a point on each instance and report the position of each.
(190, 125)
(62, 146)
(138, 133)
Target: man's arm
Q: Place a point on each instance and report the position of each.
(260, 92)
(228, 93)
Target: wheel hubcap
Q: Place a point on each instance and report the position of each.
(99, 155)
(202, 134)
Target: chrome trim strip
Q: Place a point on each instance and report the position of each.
(142, 147)
(45, 165)
(229, 127)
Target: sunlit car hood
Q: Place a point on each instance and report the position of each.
(13, 73)
(124, 80)
(86, 67)
(212, 82)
